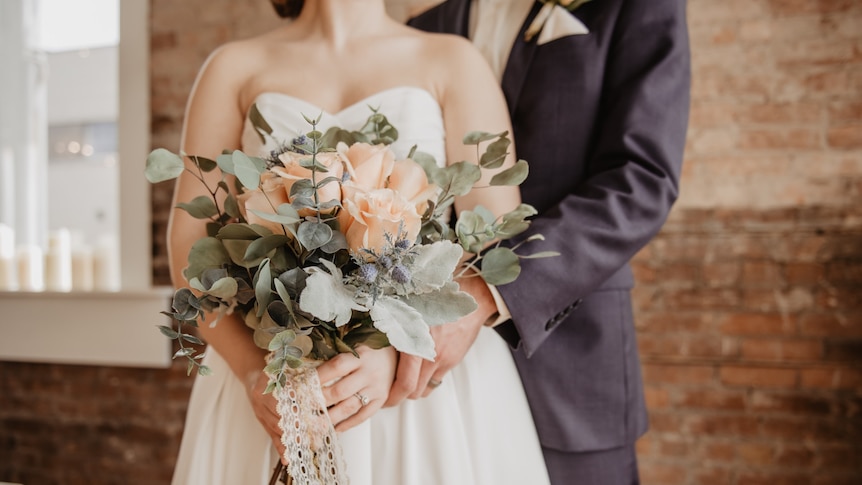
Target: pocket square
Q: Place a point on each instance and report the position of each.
(561, 23)
(554, 22)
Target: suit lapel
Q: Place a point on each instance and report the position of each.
(519, 61)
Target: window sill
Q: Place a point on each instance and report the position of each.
(98, 328)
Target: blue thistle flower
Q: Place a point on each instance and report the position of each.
(401, 274)
(368, 273)
(385, 262)
(402, 244)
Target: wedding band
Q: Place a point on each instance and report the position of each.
(362, 398)
(433, 383)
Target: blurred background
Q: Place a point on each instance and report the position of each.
(748, 303)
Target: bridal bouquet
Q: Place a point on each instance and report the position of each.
(330, 243)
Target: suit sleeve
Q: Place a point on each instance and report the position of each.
(632, 174)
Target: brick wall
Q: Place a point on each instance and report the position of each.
(748, 303)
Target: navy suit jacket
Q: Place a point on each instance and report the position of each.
(601, 118)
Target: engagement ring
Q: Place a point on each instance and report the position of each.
(362, 398)
(433, 383)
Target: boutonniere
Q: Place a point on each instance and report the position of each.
(545, 13)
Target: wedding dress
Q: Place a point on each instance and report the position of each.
(474, 429)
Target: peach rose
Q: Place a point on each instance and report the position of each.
(368, 165)
(270, 195)
(293, 171)
(408, 179)
(369, 216)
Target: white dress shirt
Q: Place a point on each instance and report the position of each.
(494, 25)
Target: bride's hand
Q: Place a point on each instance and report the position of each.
(347, 380)
(451, 341)
(264, 406)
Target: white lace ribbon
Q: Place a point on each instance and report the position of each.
(311, 445)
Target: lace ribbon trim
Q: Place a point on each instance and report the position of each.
(311, 445)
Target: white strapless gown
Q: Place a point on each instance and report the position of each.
(475, 429)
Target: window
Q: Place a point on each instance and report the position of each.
(99, 137)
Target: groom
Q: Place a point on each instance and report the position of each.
(599, 100)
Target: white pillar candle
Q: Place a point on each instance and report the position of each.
(82, 269)
(58, 261)
(8, 265)
(31, 273)
(106, 265)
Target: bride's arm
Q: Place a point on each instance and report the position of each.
(213, 123)
(471, 100)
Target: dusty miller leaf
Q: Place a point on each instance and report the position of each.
(403, 326)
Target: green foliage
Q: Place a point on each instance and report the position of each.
(299, 288)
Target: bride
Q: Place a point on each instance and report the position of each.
(336, 59)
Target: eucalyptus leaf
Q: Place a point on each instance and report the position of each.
(231, 207)
(514, 175)
(224, 288)
(262, 247)
(163, 165)
(277, 218)
(476, 137)
(282, 339)
(313, 235)
(185, 304)
(201, 207)
(302, 188)
(236, 249)
(541, 254)
(500, 266)
(191, 339)
(294, 281)
(460, 177)
(259, 123)
(495, 154)
(246, 170)
(263, 286)
(205, 164)
(281, 289)
(226, 164)
(239, 231)
(205, 253)
(337, 243)
(168, 332)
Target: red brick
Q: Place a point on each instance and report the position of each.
(832, 378)
(762, 377)
(704, 298)
(803, 273)
(724, 399)
(790, 403)
(778, 300)
(782, 8)
(678, 374)
(656, 398)
(722, 273)
(674, 321)
(761, 273)
(755, 324)
(685, 345)
(796, 456)
(792, 139)
(773, 478)
(846, 136)
(718, 452)
(845, 110)
(782, 350)
(721, 425)
(835, 325)
(756, 454)
(664, 474)
(712, 476)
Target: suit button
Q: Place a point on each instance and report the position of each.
(552, 323)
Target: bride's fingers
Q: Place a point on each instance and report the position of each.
(406, 378)
(428, 369)
(336, 368)
(364, 412)
(345, 409)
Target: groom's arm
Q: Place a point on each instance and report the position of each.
(633, 173)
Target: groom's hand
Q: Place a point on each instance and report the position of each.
(452, 341)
